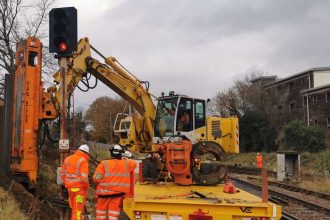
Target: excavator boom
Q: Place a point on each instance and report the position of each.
(117, 78)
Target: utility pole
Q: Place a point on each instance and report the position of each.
(64, 134)
(74, 123)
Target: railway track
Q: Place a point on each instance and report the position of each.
(288, 216)
(301, 190)
(294, 206)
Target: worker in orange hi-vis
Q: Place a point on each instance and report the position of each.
(259, 160)
(74, 174)
(113, 181)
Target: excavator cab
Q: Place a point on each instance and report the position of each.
(193, 145)
(179, 115)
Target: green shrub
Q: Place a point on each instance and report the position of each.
(323, 162)
(300, 137)
(256, 133)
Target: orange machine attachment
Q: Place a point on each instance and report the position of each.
(177, 158)
(28, 92)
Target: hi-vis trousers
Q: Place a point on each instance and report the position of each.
(108, 208)
(77, 197)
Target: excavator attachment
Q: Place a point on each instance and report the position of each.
(189, 164)
(207, 168)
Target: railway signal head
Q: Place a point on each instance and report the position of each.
(63, 31)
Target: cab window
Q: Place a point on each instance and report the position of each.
(199, 114)
(184, 117)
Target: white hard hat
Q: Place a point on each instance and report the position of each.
(127, 154)
(84, 148)
(116, 150)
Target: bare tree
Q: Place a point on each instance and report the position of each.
(18, 20)
(243, 96)
(99, 116)
(225, 103)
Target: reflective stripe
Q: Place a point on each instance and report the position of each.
(113, 212)
(75, 189)
(70, 175)
(106, 168)
(84, 174)
(114, 184)
(107, 173)
(101, 191)
(101, 217)
(78, 215)
(79, 198)
(100, 212)
(117, 174)
(78, 165)
(73, 180)
(127, 171)
(113, 218)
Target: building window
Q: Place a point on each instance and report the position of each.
(328, 122)
(291, 86)
(305, 101)
(314, 98)
(292, 107)
(315, 122)
(327, 97)
(303, 81)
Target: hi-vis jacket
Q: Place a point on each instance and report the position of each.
(113, 176)
(75, 171)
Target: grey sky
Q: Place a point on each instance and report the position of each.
(199, 47)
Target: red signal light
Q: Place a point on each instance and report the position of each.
(63, 47)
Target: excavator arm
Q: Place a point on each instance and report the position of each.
(116, 77)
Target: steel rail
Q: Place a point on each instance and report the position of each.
(300, 201)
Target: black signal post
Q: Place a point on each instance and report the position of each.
(63, 42)
(63, 31)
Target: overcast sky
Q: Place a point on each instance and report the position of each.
(200, 47)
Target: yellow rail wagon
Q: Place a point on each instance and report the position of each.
(168, 201)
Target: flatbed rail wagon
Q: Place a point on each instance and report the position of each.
(168, 201)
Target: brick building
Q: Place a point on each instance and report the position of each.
(302, 96)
